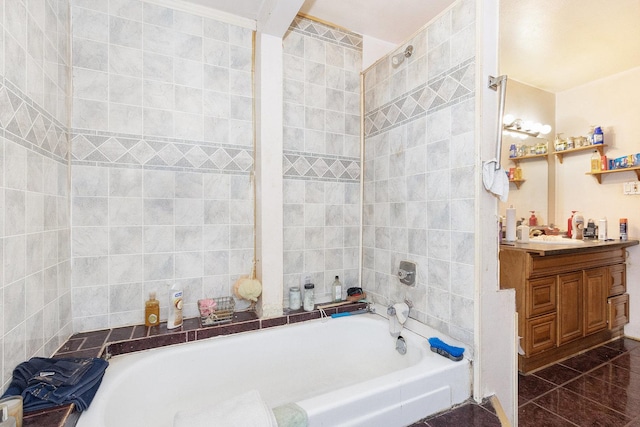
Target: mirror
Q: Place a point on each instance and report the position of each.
(529, 189)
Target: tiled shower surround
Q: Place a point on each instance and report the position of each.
(157, 140)
(162, 147)
(419, 174)
(321, 155)
(35, 287)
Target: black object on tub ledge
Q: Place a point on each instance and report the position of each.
(45, 383)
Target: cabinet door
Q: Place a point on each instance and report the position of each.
(618, 285)
(596, 291)
(570, 307)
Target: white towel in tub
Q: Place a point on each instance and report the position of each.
(245, 410)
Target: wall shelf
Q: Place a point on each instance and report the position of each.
(599, 147)
(517, 160)
(517, 182)
(598, 175)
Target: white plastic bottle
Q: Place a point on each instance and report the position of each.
(578, 226)
(175, 307)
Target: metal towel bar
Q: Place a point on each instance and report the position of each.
(494, 82)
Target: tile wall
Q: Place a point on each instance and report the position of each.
(420, 176)
(321, 156)
(162, 149)
(35, 285)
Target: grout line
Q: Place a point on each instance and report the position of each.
(557, 415)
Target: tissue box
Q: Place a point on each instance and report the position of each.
(622, 162)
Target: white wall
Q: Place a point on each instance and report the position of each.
(613, 104)
(495, 371)
(374, 49)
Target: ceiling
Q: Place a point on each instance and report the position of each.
(375, 18)
(556, 45)
(553, 45)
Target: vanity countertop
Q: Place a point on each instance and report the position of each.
(545, 249)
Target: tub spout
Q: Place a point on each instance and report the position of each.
(370, 307)
(401, 345)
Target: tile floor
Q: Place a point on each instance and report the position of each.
(469, 414)
(600, 387)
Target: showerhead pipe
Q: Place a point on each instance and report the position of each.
(398, 58)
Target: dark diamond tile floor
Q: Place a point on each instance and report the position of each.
(600, 387)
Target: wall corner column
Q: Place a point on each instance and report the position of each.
(268, 172)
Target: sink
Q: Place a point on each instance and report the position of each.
(555, 240)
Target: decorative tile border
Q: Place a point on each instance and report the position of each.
(111, 149)
(448, 89)
(324, 32)
(26, 123)
(320, 167)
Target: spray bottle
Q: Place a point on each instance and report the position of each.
(570, 224)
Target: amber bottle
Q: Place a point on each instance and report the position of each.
(152, 311)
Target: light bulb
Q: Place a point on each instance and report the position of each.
(536, 127)
(545, 129)
(508, 119)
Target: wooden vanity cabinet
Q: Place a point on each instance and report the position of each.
(567, 302)
(570, 307)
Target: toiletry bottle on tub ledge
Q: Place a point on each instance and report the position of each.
(175, 307)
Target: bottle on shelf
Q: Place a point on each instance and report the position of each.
(152, 311)
(590, 135)
(598, 136)
(533, 220)
(337, 290)
(175, 307)
(596, 162)
(517, 174)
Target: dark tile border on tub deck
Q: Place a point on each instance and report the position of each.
(128, 339)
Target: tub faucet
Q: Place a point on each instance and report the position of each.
(371, 308)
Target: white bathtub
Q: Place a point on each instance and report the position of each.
(342, 372)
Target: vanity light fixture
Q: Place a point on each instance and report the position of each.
(523, 128)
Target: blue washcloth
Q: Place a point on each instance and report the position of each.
(446, 350)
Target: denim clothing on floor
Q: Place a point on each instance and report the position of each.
(44, 383)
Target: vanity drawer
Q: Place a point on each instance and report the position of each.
(540, 334)
(618, 284)
(540, 296)
(618, 311)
